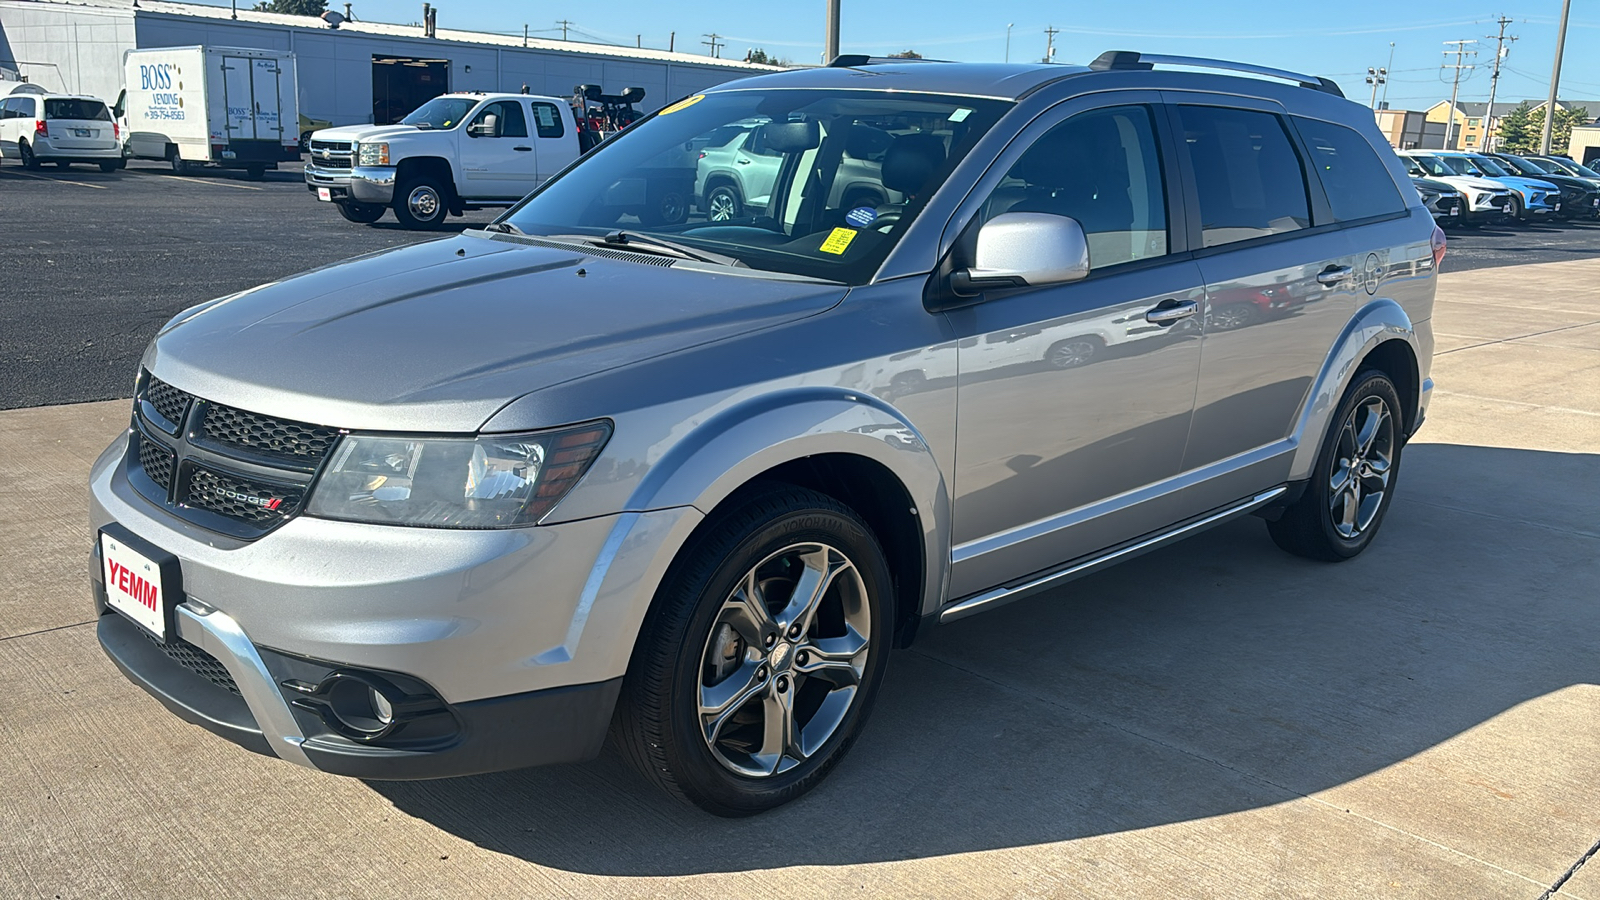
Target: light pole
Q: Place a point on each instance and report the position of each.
(1390, 67)
(1555, 81)
(1376, 77)
(1009, 26)
(830, 39)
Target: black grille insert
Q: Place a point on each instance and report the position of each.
(279, 438)
(170, 402)
(156, 462)
(196, 660)
(256, 502)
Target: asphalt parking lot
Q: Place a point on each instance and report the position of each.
(101, 261)
(1217, 719)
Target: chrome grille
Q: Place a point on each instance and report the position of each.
(331, 154)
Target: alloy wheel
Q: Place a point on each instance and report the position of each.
(1362, 466)
(784, 659)
(722, 207)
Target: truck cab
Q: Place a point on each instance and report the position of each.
(456, 152)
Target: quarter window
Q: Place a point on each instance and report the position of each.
(1103, 169)
(1247, 173)
(1357, 183)
(23, 108)
(547, 119)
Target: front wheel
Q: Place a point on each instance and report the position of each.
(109, 167)
(1354, 479)
(1514, 210)
(758, 664)
(421, 204)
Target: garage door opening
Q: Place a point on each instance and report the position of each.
(400, 84)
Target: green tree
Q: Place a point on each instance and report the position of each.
(906, 54)
(294, 7)
(1517, 132)
(1533, 141)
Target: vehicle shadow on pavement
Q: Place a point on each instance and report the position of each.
(1211, 677)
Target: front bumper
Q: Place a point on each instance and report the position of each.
(361, 184)
(517, 639)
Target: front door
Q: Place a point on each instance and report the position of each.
(1073, 406)
(497, 156)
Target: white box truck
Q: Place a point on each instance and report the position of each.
(229, 107)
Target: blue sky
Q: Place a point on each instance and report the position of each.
(1295, 35)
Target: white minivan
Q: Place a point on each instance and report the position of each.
(38, 127)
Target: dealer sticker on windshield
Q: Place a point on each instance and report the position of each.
(861, 216)
(838, 241)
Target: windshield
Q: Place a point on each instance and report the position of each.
(76, 109)
(440, 112)
(1575, 168)
(819, 184)
(1540, 165)
(1490, 167)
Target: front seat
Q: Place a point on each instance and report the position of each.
(910, 163)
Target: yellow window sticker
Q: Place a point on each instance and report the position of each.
(838, 241)
(685, 103)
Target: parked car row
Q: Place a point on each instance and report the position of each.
(1472, 189)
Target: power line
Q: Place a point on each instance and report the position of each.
(716, 44)
(1050, 43)
(1460, 51)
(564, 26)
(1500, 51)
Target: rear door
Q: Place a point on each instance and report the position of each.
(238, 98)
(79, 124)
(1282, 280)
(266, 90)
(554, 144)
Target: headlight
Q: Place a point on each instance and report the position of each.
(373, 154)
(490, 481)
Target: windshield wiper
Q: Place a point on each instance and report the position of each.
(648, 243)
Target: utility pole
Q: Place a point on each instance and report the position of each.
(672, 42)
(524, 35)
(1390, 67)
(1460, 51)
(1500, 51)
(1376, 77)
(564, 23)
(1009, 26)
(830, 38)
(1555, 81)
(1050, 43)
(715, 44)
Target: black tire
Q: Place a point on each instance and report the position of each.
(29, 161)
(255, 173)
(660, 726)
(724, 203)
(180, 166)
(361, 213)
(1514, 210)
(1074, 352)
(63, 164)
(422, 204)
(1309, 528)
(667, 207)
(109, 167)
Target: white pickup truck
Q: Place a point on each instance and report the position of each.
(456, 152)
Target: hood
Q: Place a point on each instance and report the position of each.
(1434, 184)
(363, 132)
(1525, 184)
(1470, 181)
(439, 336)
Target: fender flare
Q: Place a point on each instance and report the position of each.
(1375, 323)
(738, 443)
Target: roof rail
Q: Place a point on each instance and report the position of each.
(1112, 60)
(857, 60)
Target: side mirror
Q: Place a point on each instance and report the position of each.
(1025, 250)
(1475, 173)
(488, 126)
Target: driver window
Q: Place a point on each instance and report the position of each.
(1103, 169)
(510, 122)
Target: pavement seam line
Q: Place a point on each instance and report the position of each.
(12, 637)
(1489, 342)
(1567, 875)
(1496, 516)
(1252, 776)
(1561, 409)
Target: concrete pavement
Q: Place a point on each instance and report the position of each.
(1214, 720)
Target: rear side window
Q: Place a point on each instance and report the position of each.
(1357, 183)
(548, 120)
(76, 109)
(22, 107)
(1247, 173)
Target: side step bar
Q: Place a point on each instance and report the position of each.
(1000, 596)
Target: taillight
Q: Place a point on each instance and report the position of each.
(1438, 246)
(40, 129)
(116, 132)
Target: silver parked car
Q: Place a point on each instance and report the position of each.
(478, 503)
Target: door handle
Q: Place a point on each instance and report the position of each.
(1332, 275)
(743, 162)
(1171, 311)
(522, 148)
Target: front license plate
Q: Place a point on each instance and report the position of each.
(1455, 210)
(134, 585)
(324, 194)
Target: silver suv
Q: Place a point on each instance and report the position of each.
(478, 503)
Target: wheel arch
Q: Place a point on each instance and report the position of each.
(419, 166)
(1363, 343)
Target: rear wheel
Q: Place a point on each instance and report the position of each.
(255, 173)
(362, 213)
(1354, 479)
(723, 203)
(421, 203)
(758, 664)
(29, 160)
(180, 166)
(109, 167)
